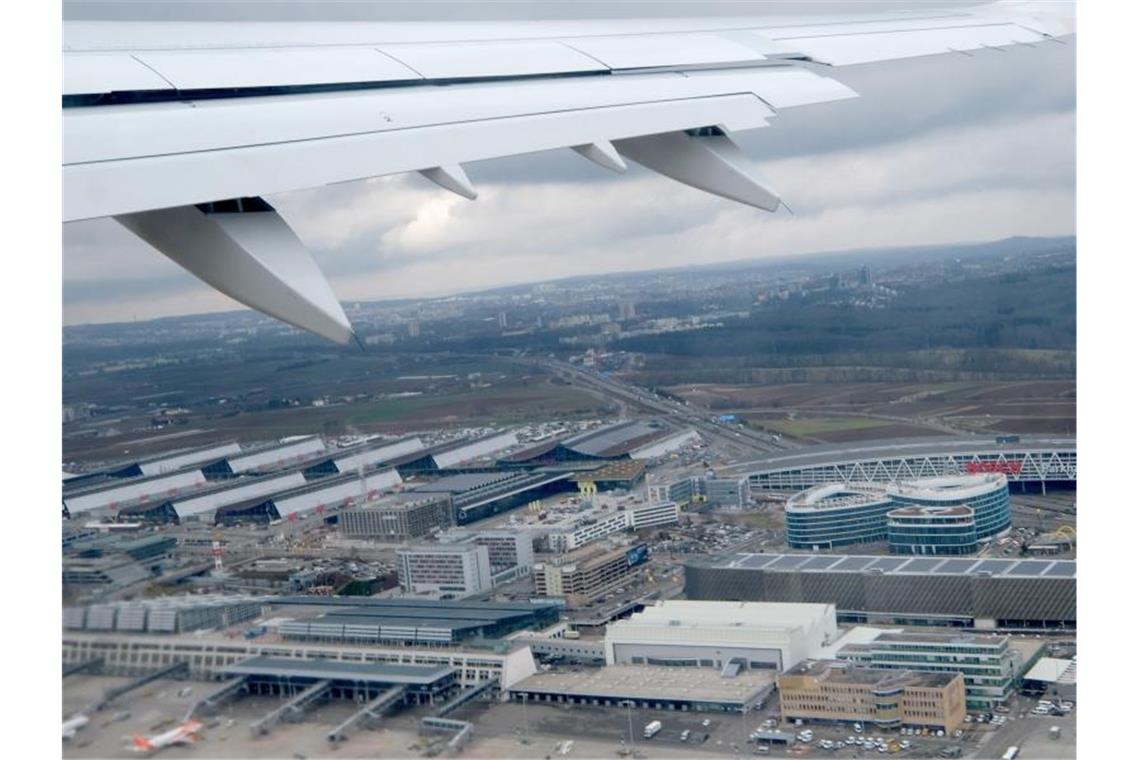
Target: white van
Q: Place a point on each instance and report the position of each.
(1010, 753)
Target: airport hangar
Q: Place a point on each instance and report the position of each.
(1031, 463)
(987, 593)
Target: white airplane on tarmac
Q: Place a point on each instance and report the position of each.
(73, 724)
(185, 733)
(179, 129)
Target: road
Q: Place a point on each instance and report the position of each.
(734, 442)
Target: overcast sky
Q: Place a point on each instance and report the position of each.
(936, 150)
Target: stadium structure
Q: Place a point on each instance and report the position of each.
(985, 593)
(1028, 462)
(944, 515)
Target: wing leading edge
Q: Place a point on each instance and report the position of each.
(179, 141)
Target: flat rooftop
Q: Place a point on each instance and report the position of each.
(891, 565)
(291, 667)
(651, 682)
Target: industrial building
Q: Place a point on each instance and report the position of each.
(577, 530)
(988, 664)
(317, 497)
(726, 636)
(821, 690)
(968, 592)
(397, 517)
(447, 570)
(1053, 676)
(1029, 462)
(415, 621)
(583, 576)
(945, 515)
(364, 456)
(260, 460)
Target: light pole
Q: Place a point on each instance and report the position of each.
(629, 715)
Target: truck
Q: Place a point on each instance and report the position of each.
(652, 728)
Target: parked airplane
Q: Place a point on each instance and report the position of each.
(178, 129)
(185, 733)
(73, 724)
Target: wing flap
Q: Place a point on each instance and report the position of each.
(87, 73)
(465, 60)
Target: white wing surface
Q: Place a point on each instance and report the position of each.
(177, 129)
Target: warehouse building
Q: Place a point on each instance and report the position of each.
(946, 515)
(585, 575)
(830, 691)
(988, 664)
(318, 498)
(279, 456)
(397, 517)
(450, 571)
(365, 456)
(726, 636)
(985, 593)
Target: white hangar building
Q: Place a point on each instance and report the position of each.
(729, 636)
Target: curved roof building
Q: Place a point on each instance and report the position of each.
(942, 515)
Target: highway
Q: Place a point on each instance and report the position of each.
(734, 442)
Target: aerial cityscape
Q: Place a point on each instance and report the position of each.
(542, 380)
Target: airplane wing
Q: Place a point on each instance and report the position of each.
(178, 129)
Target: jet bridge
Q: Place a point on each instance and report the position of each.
(371, 711)
(178, 668)
(291, 709)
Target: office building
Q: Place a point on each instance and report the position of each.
(988, 664)
(583, 576)
(398, 518)
(448, 570)
(821, 690)
(586, 527)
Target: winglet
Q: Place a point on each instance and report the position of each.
(602, 153)
(245, 249)
(452, 177)
(708, 160)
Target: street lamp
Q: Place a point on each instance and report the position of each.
(629, 715)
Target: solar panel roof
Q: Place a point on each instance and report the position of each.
(957, 565)
(819, 563)
(886, 564)
(788, 562)
(853, 563)
(1065, 569)
(992, 566)
(922, 564)
(1029, 567)
(758, 560)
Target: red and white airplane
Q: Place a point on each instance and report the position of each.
(185, 733)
